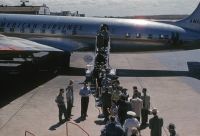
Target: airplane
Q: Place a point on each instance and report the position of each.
(69, 34)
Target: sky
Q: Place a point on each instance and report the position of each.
(116, 7)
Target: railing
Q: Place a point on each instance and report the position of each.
(29, 133)
(75, 125)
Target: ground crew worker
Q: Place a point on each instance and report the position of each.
(61, 105)
(85, 93)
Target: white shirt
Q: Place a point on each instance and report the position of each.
(137, 105)
(129, 123)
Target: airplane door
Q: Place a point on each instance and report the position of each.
(175, 37)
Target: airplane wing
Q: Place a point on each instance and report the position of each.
(13, 44)
(15, 52)
(66, 44)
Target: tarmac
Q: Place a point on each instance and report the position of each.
(171, 78)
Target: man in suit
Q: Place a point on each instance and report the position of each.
(155, 124)
(146, 107)
(106, 104)
(61, 105)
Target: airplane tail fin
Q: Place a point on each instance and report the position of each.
(191, 22)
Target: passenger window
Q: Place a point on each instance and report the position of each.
(127, 35)
(150, 36)
(161, 36)
(138, 35)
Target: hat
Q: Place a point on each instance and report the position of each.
(71, 81)
(144, 90)
(134, 87)
(154, 111)
(124, 89)
(171, 126)
(131, 113)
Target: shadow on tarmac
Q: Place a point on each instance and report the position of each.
(79, 119)
(99, 122)
(14, 86)
(72, 71)
(193, 71)
(53, 127)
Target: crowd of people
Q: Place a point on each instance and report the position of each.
(128, 115)
(124, 115)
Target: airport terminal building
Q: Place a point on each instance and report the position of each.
(35, 10)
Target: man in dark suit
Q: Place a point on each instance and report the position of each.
(106, 104)
(155, 124)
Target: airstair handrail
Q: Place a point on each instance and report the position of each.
(27, 132)
(77, 126)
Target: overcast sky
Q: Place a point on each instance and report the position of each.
(117, 7)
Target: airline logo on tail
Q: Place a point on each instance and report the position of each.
(191, 22)
(195, 21)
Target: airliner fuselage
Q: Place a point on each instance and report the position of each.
(71, 33)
